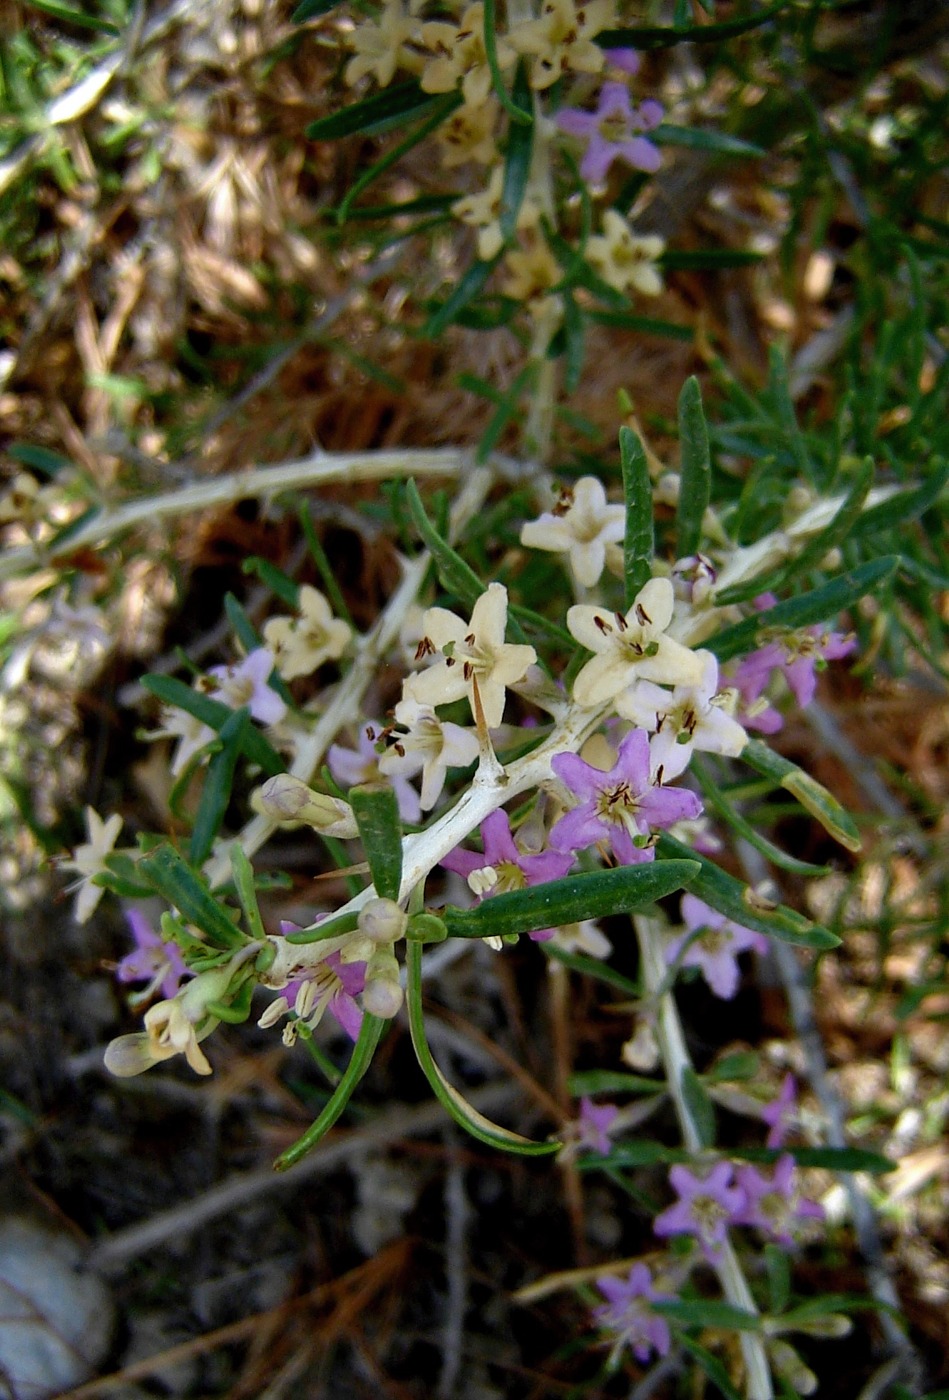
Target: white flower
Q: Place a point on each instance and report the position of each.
(190, 732)
(586, 937)
(175, 1026)
(689, 717)
(624, 259)
(302, 644)
(470, 651)
(89, 860)
(631, 648)
(582, 524)
(246, 684)
(431, 746)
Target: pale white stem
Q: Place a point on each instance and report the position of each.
(675, 1058)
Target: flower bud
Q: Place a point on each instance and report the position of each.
(382, 995)
(382, 921)
(287, 799)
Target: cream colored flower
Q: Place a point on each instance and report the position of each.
(382, 48)
(468, 134)
(625, 260)
(302, 644)
(483, 212)
(431, 746)
(581, 525)
(631, 648)
(89, 860)
(460, 57)
(470, 651)
(531, 272)
(289, 801)
(561, 40)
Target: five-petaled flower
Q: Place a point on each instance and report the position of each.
(431, 746)
(503, 867)
(561, 40)
(712, 943)
(581, 525)
(630, 648)
(246, 684)
(628, 1314)
(707, 1205)
(690, 717)
(622, 806)
(89, 860)
(774, 1204)
(593, 1126)
(154, 960)
(612, 131)
(331, 986)
(301, 644)
(798, 656)
(470, 652)
(624, 259)
(350, 767)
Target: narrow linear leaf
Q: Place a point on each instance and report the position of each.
(663, 37)
(456, 576)
(517, 161)
(473, 282)
(243, 873)
(212, 713)
(241, 625)
(572, 900)
(649, 325)
(836, 1159)
(433, 116)
(218, 782)
(811, 794)
(610, 1081)
(703, 139)
(711, 1365)
(312, 9)
(638, 542)
(642, 1153)
(742, 1064)
(70, 16)
(573, 342)
(700, 1107)
(828, 601)
(369, 1035)
(519, 115)
(708, 1312)
(376, 810)
(280, 584)
(374, 115)
(169, 874)
(38, 459)
(695, 469)
(728, 895)
(904, 506)
(594, 968)
(718, 802)
(464, 1114)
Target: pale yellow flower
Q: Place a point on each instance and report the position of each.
(460, 57)
(470, 651)
(89, 860)
(531, 272)
(624, 259)
(431, 747)
(483, 211)
(561, 40)
(468, 134)
(302, 644)
(630, 648)
(382, 48)
(581, 525)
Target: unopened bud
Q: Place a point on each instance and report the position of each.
(287, 799)
(382, 921)
(383, 999)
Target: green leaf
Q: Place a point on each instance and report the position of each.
(711, 1365)
(611, 1081)
(811, 794)
(171, 876)
(594, 968)
(641, 1153)
(700, 1107)
(448, 1096)
(394, 106)
(557, 902)
(742, 1064)
(38, 459)
(695, 469)
(456, 576)
(574, 347)
(648, 325)
(70, 16)
(728, 895)
(243, 873)
(216, 792)
(517, 162)
(473, 282)
(826, 602)
(700, 259)
(369, 1034)
(706, 1312)
(212, 713)
(280, 584)
(331, 928)
(903, 505)
(779, 1277)
(833, 1159)
(433, 117)
(517, 112)
(718, 802)
(241, 625)
(652, 37)
(638, 542)
(312, 9)
(703, 139)
(376, 810)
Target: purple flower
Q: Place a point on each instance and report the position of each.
(705, 1208)
(798, 656)
(628, 1314)
(714, 942)
(246, 684)
(774, 1204)
(611, 131)
(152, 960)
(331, 985)
(780, 1112)
(621, 806)
(594, 1124)
(626, 60)
(503, 867)
(353, 766)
